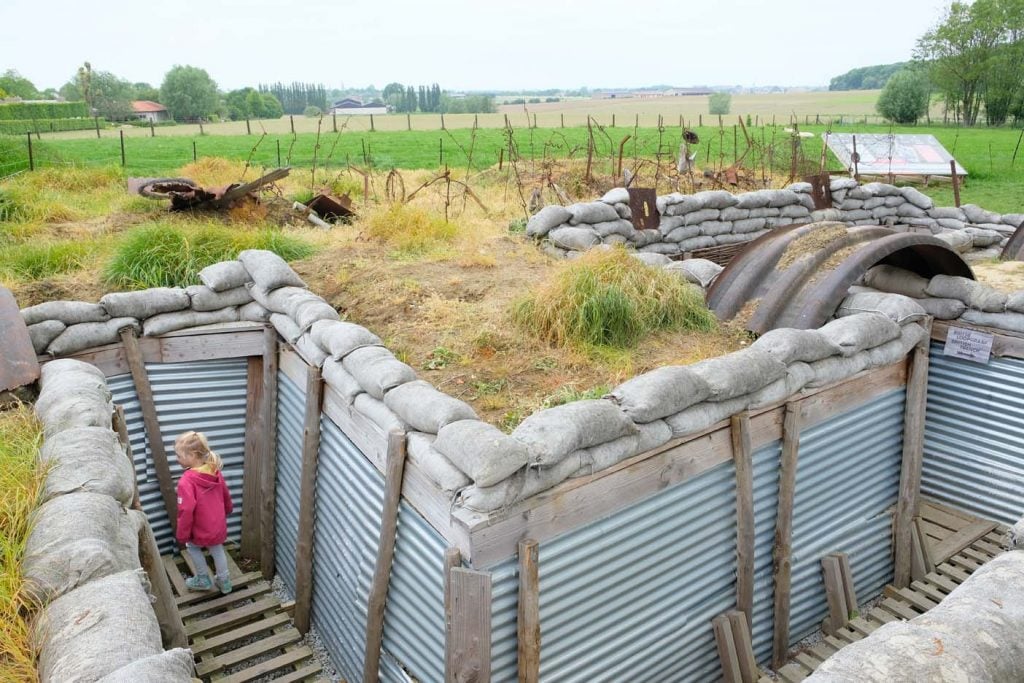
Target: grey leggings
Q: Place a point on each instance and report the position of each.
(220, 560)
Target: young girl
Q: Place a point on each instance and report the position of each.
(204, 503)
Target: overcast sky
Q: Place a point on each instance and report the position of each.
(464, 44)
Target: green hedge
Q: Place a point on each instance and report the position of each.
(47, 125)
(43, 110)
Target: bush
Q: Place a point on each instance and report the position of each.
(311, 112)
(410, 229)
(164, 255)
(719, 103)
(609, 298)
(904, 99)
(43, 110)
(32, 261)
(22, 126)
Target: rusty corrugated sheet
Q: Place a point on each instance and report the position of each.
(18, 365)
(797, 276)
(1014, 249)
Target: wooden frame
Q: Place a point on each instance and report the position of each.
(742, 453)
(256, 451)
(268, 466)
(782, 551)
(1004, 345)
(307, 500)
(528, 620)
(468, 658)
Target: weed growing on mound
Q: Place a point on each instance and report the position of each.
(21, 481)
(165, 255)
(411, 230)
(609, 298)
(32, 261)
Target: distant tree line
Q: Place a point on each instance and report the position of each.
(431, 99)
(294, 98)
(866, 77)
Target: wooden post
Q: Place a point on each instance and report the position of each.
(201, 131)
(120, 426)
(372, 129)
(149, 418)
(838, 609)
(528, 623)
(291, 119)
(742, 458)
(248, 127)
(172, 630)
(408, 122)
(255, 455)
(744, 646)
(440, 151)
(956, 182)
(856, 160)
(731, 671)
(307, 499)
(121, 134)
(846, 574)
(195, 154)
(783, 548)
(31, 158)
(385, 553)
(152, 129)
(913, 449)
(534, 120)
(562, 117)
(452, 559)
(613, 120)
(268, 467)
(469, 636)
(442, 122)
(96, 119)
(921, 562)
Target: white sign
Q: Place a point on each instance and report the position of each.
(968, 344)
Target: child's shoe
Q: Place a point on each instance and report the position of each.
(223, 584)
(199, 583)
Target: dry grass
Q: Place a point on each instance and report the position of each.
(811, 243)
(1006, 276)
(20, 481)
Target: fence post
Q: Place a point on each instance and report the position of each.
(121, 134)
(372, 129)
(248, 128)
(152, 129)
(613, 120)
(292, 120)
(563, 119)
(194, 155)
(334, 122)
(956, 182)
(201, 131)
(534, 120)
(440, 151)
(408, 121)
(31, 159)
(442, 122)
(96, 120)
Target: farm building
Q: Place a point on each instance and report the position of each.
(354, 107)
(144, 110)
(847, 472)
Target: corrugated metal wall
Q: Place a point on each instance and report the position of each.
(291, 408)
(847, 481)
(504, 618)
(207, 396)
(974, 436)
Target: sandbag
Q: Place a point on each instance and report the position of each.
(553, 433)
(616, 195)
(795, 211)
(732, 214)
(603, 456)
(225, 275)
(661, 392)
(542, 222)
(773, 393)
(172, 666)
(663, 248)
(947, 212)
(716, 199)
(654, 260)
(340, 338)
(339, 379)
(896, 280)
(891, 352)
(860, 331)
(983, 238)
(309, 350)
(699, 271)
(377, 370)
(87, 459)
(942, 309)
(254, 312)
(591, 212)
(752, 200)
(145, 303)
(694, 243)
(700, 216)
(481, 451)
(620, 227)
(829, 370)
(43, 333)
(306, 313)
(204, 298)
(87, 335)
(78, 538)
(715, 228)
(378, 413)
(739, 373)
(974, 294)
(440, 470)
(958, 240)
(97, 629)
(975, 214)
(1014, 322)
(575, 239)
(283, 300)
(701, 416)
(72, 397)
(730, 238)
(780, 198)
(747, 225)
(1015, 302)
(286, 327)
(677, 204)
(917, 198)
(425, 408)
(836, 184)
(898, 308)
(180, 320)
(789, 345)
(68, 312)
(525, 483)
(268, 270)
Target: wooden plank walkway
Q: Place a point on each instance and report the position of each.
(959, 544)
(244, 635)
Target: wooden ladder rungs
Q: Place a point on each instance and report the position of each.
(196, 596)
(289, 658)
(232, 618)
(231, 598)
(263, 646)
(300, 675)
(240, 633)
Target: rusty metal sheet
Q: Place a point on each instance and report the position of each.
(821, 190)
(644, 208)
(186, 195)
(330, 207)
(1014, 249)
(18, 364)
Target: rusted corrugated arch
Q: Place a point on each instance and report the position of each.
(1014, 249)
(805, 292)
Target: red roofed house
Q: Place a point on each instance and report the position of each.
(150, 111)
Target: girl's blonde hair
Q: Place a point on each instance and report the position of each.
(195, 444)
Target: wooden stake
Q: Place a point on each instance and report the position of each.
(268, 466)
(385, 553)
(307, 499)
(528, 623)
(120, 426)
(731, 671)
(452, 559)
(172, 630)
(742, 458)
(838, 609)
(152, 424)
(783, 547)
(31, 158)
(248, 128)
(254, 456)
(913, 450)
(956, 182)
(470, 626)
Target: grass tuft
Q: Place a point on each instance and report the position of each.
(21, 481)
(610, 299)
(162, 254)
(410, 229)
(32, 261)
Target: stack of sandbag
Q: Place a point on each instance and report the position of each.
(81, 561)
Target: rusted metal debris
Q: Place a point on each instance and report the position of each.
(804, 288)
(643, 208)
(331, 208)
(185, 194)
(18, 364)
(1014, 249)
(821, 190)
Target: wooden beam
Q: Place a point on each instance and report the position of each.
(838, 610)
(528, 623)
(1005, 344)
(744, 646)
(921, 564)
(742, 455)
(385, 553)
(846, 574)
(120, 426)
(152, 424)
(172, 630)
(307, 500)
(731, 672)
(913, 451)
(782, 551)
(255, 412)
(470, 627)
(452, 559)
(268, 465)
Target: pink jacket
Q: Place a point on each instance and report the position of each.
(204, 503)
